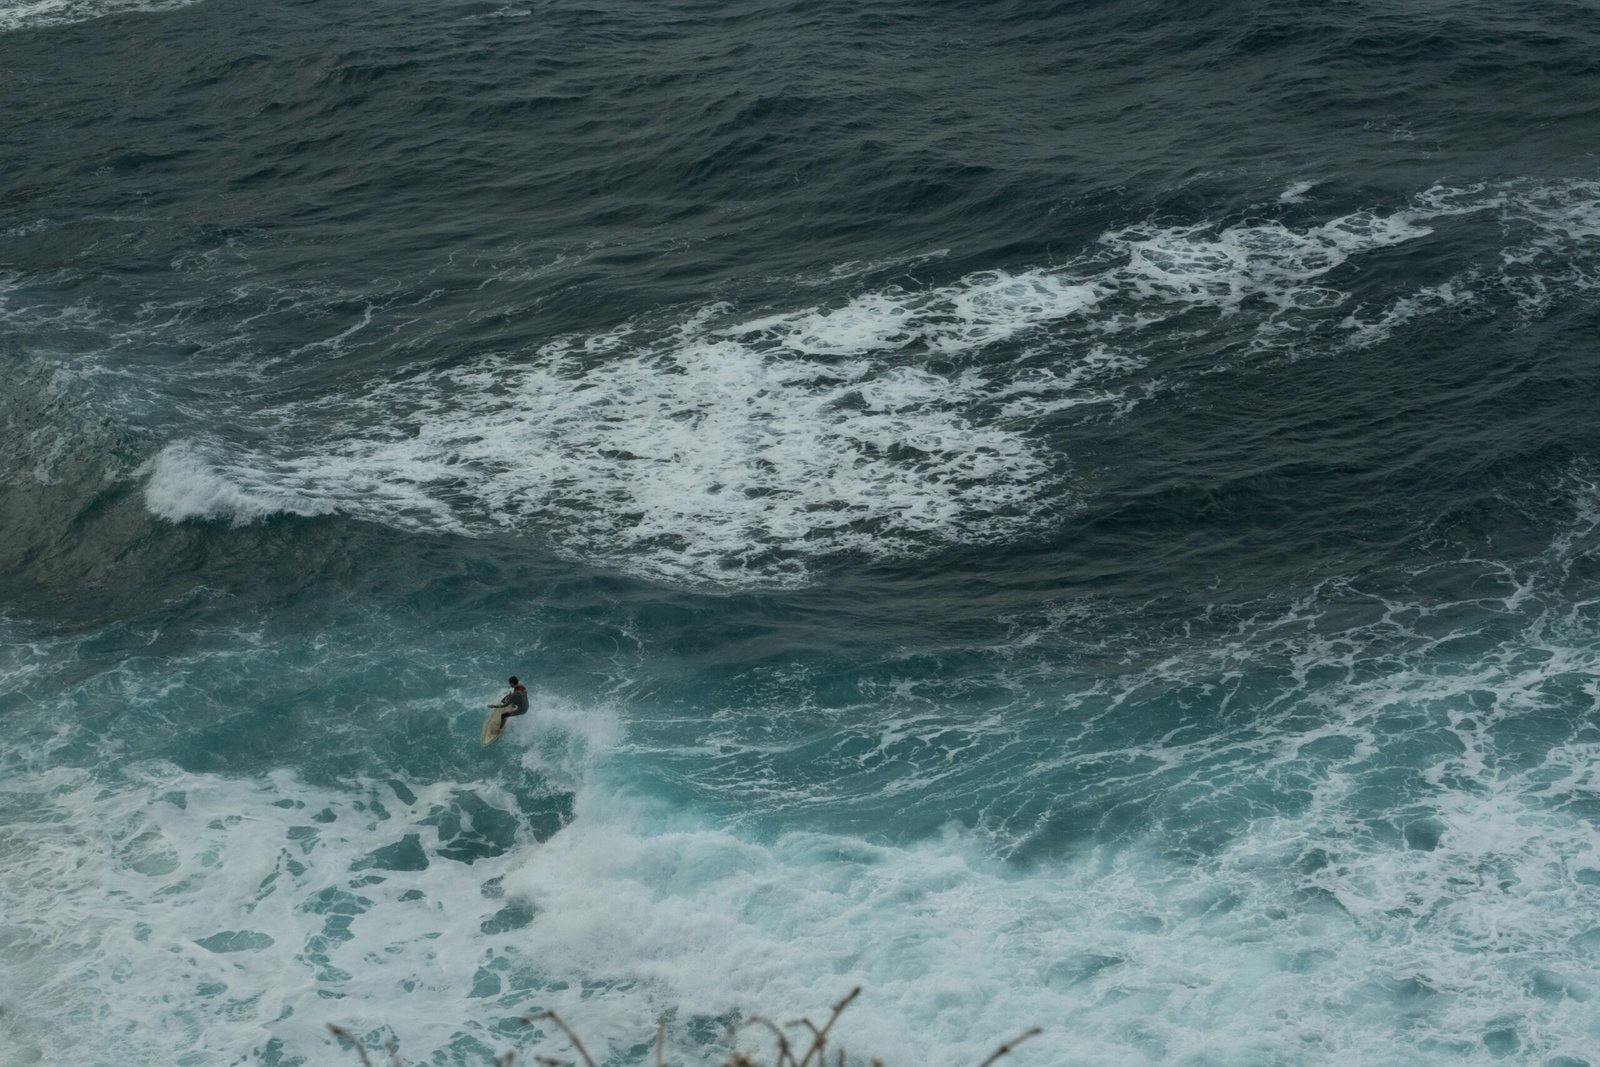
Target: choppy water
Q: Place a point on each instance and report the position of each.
(1066, 515)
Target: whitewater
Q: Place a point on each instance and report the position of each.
(1067, 517)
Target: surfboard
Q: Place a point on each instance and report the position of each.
(494, 723)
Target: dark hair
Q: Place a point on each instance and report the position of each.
(513, 679)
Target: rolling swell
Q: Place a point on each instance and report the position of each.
(1066, 514)
(899, 421)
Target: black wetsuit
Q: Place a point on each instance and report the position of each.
(518, 699)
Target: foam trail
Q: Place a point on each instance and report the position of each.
(289, 906)
(1296, 193)
(695, 456)
(1385, 848)
(33, 14)
(743, 450)
(185, 482)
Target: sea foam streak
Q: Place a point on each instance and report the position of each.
(265, 909)
(1385, 849)
(28, 14)
(695, 454)
(736, 450)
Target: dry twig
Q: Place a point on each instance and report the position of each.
(783, 1042)
(553, 1017)
(361, 1050)
(819, 1042)
(1005, 1049)
(786, 1058)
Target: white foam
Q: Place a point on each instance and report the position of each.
(31, 14)
(695, 454)
(741, 449)
(186, 482)
(1296, 193)
(1269, 262)
(1368, 328)
(189, 916)
(1383, 850)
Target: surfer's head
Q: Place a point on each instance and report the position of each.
(514, 680)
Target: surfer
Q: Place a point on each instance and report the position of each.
(513, 703)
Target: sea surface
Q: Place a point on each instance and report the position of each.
(1065, 514)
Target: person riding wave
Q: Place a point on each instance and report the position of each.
(513, 703)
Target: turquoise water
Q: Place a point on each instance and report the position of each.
(1063, 516)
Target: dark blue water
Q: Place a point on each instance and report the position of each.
(1080, 516)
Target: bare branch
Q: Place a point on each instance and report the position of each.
(553, 1017)
(1005, 1049)
(361, 1050)
(820, 1041)
(818, 1049)
(783, 1042)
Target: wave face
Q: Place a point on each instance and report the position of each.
(724, 449)
(1065, 516)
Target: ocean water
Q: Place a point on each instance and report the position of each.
(1065, 515)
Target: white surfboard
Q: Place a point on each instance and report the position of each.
(494, 723)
